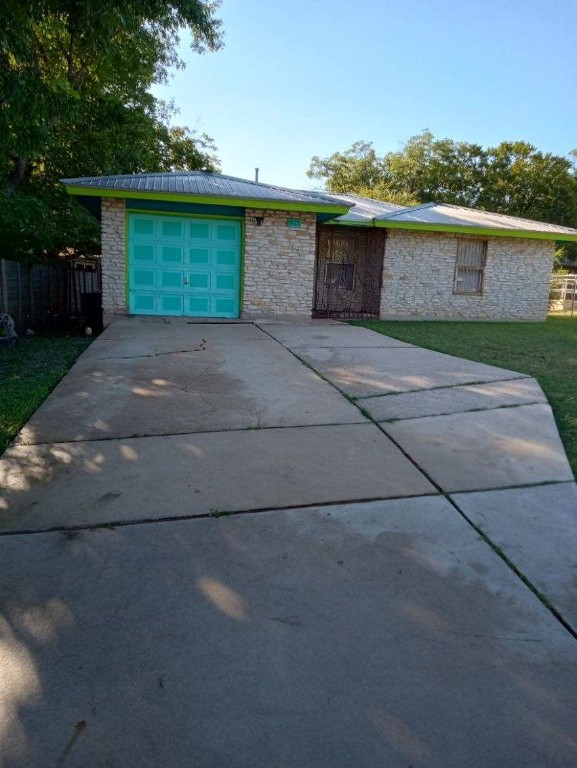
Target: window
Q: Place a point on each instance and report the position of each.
(470, 267)
(341, 275)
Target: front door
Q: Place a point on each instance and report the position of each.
(183, 266)
(349, 266)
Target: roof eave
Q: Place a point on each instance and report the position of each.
(484, 231)
(352, 222)
(276, 205)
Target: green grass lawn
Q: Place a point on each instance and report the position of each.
(547, 351)
(29, 371)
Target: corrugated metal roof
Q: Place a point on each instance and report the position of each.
(365, 209)
(201, 184)
(458, 216)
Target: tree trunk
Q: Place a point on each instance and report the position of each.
(21, 170)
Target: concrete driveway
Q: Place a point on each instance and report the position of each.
(398, 590)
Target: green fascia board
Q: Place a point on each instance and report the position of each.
(484, 231)
(367, 223)
(268, 205)
(464, 230)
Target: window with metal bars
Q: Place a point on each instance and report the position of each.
(341, 275)
(470, 267)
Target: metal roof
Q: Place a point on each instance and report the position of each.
(365, 209)
(457, 216)
(435, 216)
(200, 184)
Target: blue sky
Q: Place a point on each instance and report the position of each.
(304, 78)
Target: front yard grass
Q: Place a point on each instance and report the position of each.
(29, 371)
(547, 351)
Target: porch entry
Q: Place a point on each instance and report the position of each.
(349, 269)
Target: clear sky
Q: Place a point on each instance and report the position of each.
(313, 76)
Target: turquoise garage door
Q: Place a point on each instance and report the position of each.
(183, 266)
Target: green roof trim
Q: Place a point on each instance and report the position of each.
(267, 205)
(485, 231)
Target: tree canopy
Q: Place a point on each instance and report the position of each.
(513, 177)
(75, 79)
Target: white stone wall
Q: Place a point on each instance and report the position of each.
(113, 256)
(279, 264)
(418, 272)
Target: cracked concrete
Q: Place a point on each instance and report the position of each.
(242, 379)
(383, 632)
(200, 348)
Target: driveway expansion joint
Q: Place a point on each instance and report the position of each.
(483, 382)
(541, 596)
(447, 494)
(144, 436)
(452, 413)
(213, 514)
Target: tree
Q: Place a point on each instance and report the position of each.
(75, 78)
(513, 177)
(356, 168)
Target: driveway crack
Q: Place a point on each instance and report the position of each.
(201, 348)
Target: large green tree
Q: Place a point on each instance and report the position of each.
(513, 177)
(75, 79)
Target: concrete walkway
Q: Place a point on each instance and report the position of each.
(353, 615)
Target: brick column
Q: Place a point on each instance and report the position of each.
(113, 256)
(279, 263)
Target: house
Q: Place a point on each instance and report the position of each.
(203, 244)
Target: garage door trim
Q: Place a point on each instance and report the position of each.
(131, 212)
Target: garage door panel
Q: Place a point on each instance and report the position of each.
(199, 280)
(144, 278)
(144, 226)
(224, 307)
(226, 232)
(171, 304)
(225, 282)
(171, 254)
(172, 228)
(199, 256)
(226, 258)
(142, 253)
(199, 230)
(143, 303)
(184, 267)
(171, 279)
(199, 305)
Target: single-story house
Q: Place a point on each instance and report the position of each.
(203, 244)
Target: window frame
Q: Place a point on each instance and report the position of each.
(329, 264)
(481, 269)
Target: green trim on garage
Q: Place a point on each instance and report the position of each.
(255, 203)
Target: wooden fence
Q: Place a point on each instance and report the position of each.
(42, 295)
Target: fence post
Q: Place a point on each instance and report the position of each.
(4, 288)
(31, 295)
(19, 279)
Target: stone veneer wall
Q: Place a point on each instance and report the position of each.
(113, 257)
(279, 264)
(418, 272)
